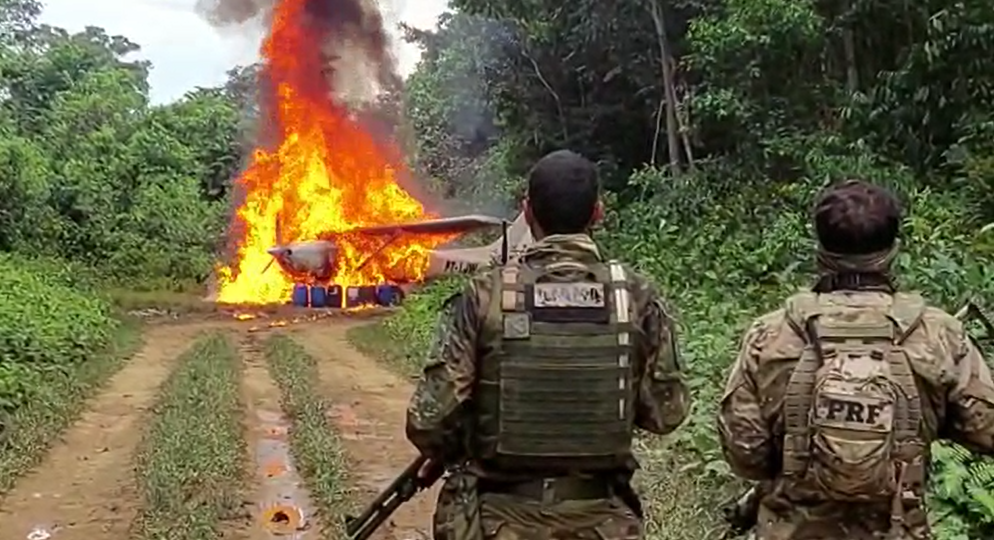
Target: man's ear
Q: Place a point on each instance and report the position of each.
(598, 214)
(527, 209)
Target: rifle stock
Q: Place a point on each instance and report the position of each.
(972, 310)
(742, 513)
(401, 490)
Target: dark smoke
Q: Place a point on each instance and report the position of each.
(354, 33)
(232, 12)
(357, 54)
(363, 25)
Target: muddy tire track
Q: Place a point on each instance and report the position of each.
(84, 488)
(278, 502)
(369, 404)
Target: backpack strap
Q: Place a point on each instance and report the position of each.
(907, 312)
(622, 319)
(801, 311)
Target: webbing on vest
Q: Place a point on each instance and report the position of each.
(565, 375)
(901, 319)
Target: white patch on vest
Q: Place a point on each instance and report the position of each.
(622, 304)
(517, 326)
(581, 295)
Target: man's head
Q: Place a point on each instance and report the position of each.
(563, 195)
(857, 218)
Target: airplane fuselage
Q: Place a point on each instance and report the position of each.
(314, 260)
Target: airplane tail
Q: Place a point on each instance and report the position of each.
(519, 236)
(445, 261)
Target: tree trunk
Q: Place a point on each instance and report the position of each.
(852, 71)
(669, 94)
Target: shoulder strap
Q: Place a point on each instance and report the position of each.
(622, 297)
(511, 298)
(907, 311)
(800, 310)
(505, 299)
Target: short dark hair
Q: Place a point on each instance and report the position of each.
(563, 189)
(857, 217)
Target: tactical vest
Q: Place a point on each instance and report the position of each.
(556, 390)
(852, 411)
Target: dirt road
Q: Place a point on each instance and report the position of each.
(85, 487)
(369, 405)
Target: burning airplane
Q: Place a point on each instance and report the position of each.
(317, 261)
(322, 204)
(314, 263)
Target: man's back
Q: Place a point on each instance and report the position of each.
(540, 372)
(956, 398)
(557, 355)
(518, 374)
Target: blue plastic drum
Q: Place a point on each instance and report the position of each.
(319, 297)
(300, 297)
(388, 295)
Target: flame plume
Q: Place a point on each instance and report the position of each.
(323, 176)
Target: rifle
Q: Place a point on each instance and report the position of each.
(401, 490)
(743, 513)
(972, 310)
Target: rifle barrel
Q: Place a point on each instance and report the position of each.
(361, 529)
(397, 493)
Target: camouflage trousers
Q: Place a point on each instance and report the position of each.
(844, 523)
(464, 514)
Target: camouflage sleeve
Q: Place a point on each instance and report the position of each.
(970, 418)
(663, 400)
(434, 412)
(745, 435)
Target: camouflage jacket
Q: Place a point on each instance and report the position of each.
(957, 396)
(434, 420)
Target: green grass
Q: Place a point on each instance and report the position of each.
(176, 302)
(190, 464)
(57, 401)
(369, 340)
(316, 447)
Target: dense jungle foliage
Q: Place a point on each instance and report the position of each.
(97, 187)
(714, 122)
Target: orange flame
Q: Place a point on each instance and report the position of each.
(327, 175)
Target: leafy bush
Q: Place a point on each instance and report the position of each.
(48, 321)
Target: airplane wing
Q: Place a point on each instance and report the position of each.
(458, 261)
(452, 225)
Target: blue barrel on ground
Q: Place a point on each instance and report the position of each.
(388, 295)
(319, 296)
(300, 296)
(334, 299)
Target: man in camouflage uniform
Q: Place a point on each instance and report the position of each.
(541, 371)
(833, 400)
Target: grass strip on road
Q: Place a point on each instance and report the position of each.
(58, 401)
(316, 447)
(190, 465)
